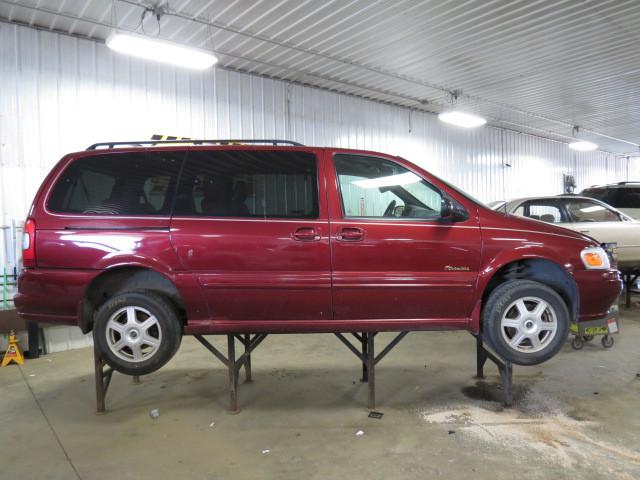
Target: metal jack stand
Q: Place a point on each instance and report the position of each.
(505, 369)
(629, 281)
(367, 356)
(103, 374)
(233, 364)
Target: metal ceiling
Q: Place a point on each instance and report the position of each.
(537, 66)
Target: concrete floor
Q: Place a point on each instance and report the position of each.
(577, 416)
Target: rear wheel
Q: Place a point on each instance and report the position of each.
(525, 322)
(137, 332)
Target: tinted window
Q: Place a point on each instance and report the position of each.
(254, 184)
(117, 184)
(374, 187)
(588, 211)
(603, 194)
(627, 198)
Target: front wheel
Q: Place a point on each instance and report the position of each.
(525, 322)
(137, 332)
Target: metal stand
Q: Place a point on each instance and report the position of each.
(505, 369)
(364, 350)
(367, 356)
(629, 281)
(103, 374)
(33, 333)
(233, 364)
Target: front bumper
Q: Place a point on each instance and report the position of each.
(599, 290)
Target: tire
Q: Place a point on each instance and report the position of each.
(607, 341)
(137, 332)
(512, 332)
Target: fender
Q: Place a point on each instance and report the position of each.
(506, 256)
(189, 291)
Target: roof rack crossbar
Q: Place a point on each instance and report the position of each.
(142, 143)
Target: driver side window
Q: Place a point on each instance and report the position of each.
(377, 188)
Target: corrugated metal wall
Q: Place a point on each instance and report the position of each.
(59, 94)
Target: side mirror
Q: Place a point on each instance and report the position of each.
(452, 211)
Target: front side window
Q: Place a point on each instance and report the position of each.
(251, 184)
(375, 187)
(581, 210)
(139, 183)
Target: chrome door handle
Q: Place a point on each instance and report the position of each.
(306, 234)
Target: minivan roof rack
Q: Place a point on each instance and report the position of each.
(627, 183)
(142, 143)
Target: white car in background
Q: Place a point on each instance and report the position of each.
(585, 215)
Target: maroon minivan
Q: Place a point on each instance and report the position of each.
(144, 242)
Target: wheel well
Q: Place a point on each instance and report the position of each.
(544, 271)
(124, 279)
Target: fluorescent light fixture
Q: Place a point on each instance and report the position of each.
(160, 51)
(461, 119)
(390, 181)
(583, 146)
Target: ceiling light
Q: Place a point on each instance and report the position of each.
(160, 51)
(583, 146)
(461, 119)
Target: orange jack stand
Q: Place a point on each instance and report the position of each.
(13, 353)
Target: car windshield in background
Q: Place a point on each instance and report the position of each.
(587, 211)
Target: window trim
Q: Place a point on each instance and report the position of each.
(438, 219)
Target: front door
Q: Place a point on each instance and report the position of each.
(393, 257)
(251, 226)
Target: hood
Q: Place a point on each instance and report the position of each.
(493, 218)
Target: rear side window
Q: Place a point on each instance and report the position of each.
(140, 183)
(603, 194)
(251, 184)
(627, 198)
(545, 210)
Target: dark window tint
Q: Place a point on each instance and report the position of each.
(254, 184)
(117, 184)
(627, 198)
(603, 194)
(374, 187)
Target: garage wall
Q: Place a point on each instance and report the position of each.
(59, 94)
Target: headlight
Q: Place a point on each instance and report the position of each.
(595, 258)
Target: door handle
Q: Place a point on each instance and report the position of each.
(351, 234)
(306, 234)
